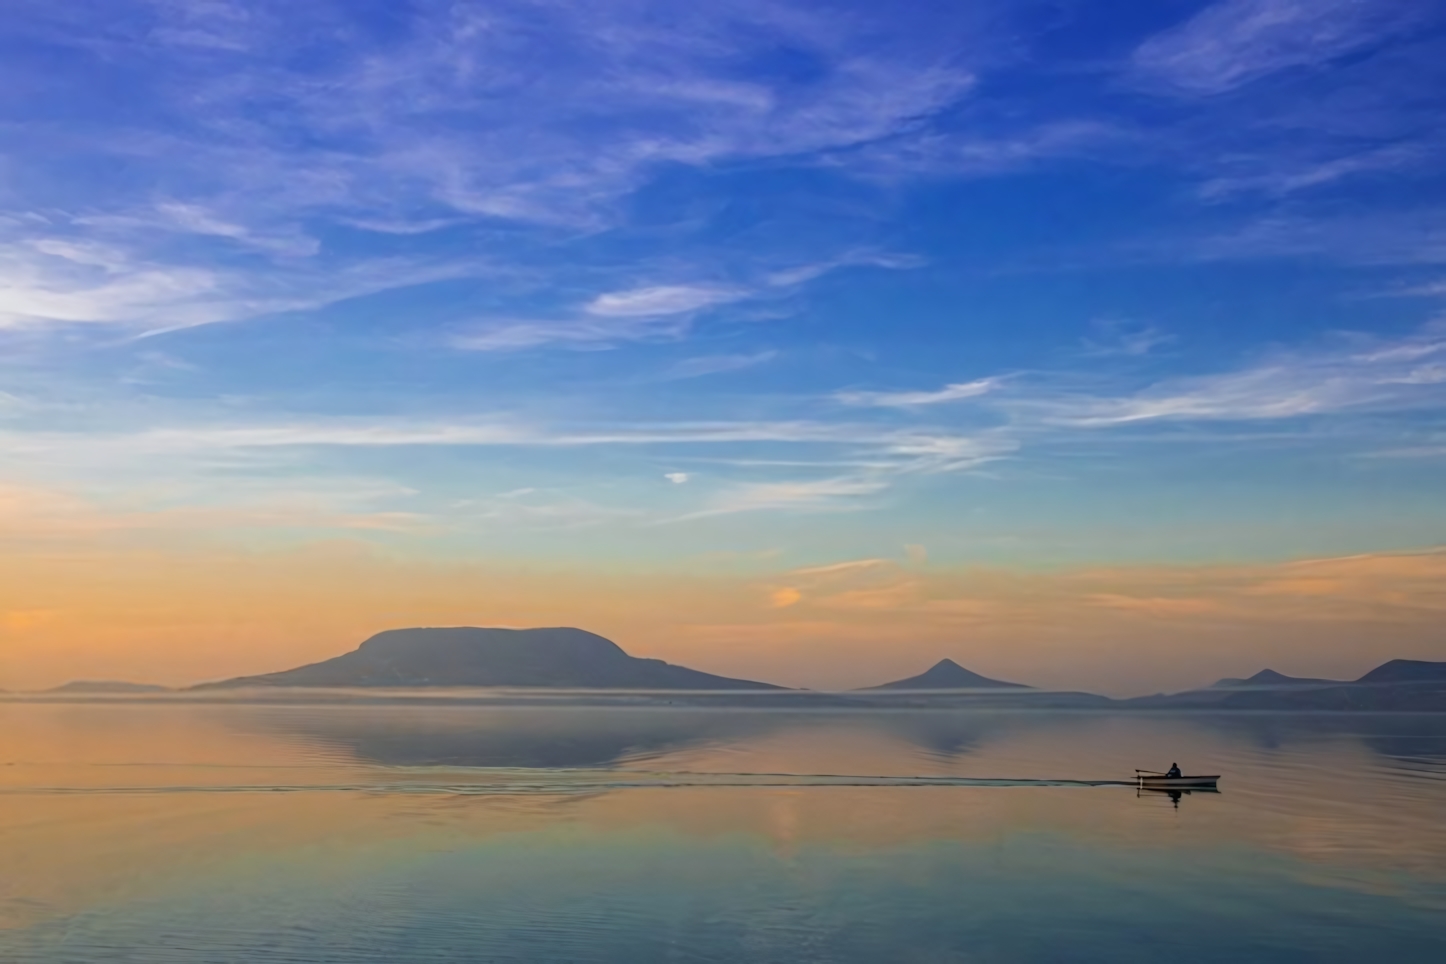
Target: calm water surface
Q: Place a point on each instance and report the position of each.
(157, 832)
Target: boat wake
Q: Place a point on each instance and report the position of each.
(513, 781)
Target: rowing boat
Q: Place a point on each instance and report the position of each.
(1158, 781)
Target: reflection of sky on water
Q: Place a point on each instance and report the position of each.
(1325, 843)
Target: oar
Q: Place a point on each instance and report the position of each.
(1153, 773)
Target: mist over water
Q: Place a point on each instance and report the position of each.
(135, 831)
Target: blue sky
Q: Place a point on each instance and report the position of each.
(638, 283)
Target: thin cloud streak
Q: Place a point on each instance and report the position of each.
(653, 313)
(366, 433)
(54, 280)
(1364, 376)
(661, 300)
(716, 365)
(1355, 373)
(664, 312)
(840, 494)
(949, 393)
(1233, 42)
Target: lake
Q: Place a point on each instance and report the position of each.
(477, 829)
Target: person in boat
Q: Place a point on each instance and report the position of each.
(1174, 770)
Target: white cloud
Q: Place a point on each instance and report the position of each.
(800, 274)
(1285, 176)
(661, 300)
(1114, 337)
(544, 114)
(1431, 289)
(1361, 374)
(56, 280)
(227, 461)
(583, 333)
(53, 280)
(716, 364)
(1415, 236)
(844, 493)
(500, 431)
(445, 113)
(1233, 42)
(653, 313)
(976, 153)
(949, 393)
(195, 219)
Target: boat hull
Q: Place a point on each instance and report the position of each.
(1179, 783)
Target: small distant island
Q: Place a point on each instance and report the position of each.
(947, 675)
(83, 686)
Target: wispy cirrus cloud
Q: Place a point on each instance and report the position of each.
(57, 277)
(1354, 374)
(435, 126)
(654, 312)
(1233, 42)
(585, 333)
(924, 448)
(444, 113)
(798, 274)
(1290, 175)
(231, 461)
(1348, 373)
(77, 282)
(949, 393)
(1113, 337)
(716, 364)
(844, 493)
(633, 314)
(1375, 238)
(991, 147)
(662, 300)
(195, 219)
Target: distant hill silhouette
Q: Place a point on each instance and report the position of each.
(1401, 685)
(107, 686)
(947, 675)
(468, 656)
(1406, 671)
(1269, 677)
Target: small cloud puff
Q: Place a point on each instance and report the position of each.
(785, 597)
(677, 478)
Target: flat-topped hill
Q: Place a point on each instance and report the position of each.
(469, 656)
(100, 686)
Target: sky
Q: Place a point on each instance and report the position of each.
(1091, 344)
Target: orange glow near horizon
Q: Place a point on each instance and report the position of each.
(184, 615)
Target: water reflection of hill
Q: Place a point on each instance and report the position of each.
(587, 736)
(1402, 736)
(562, 735)
(510, 737)
(949, 735)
